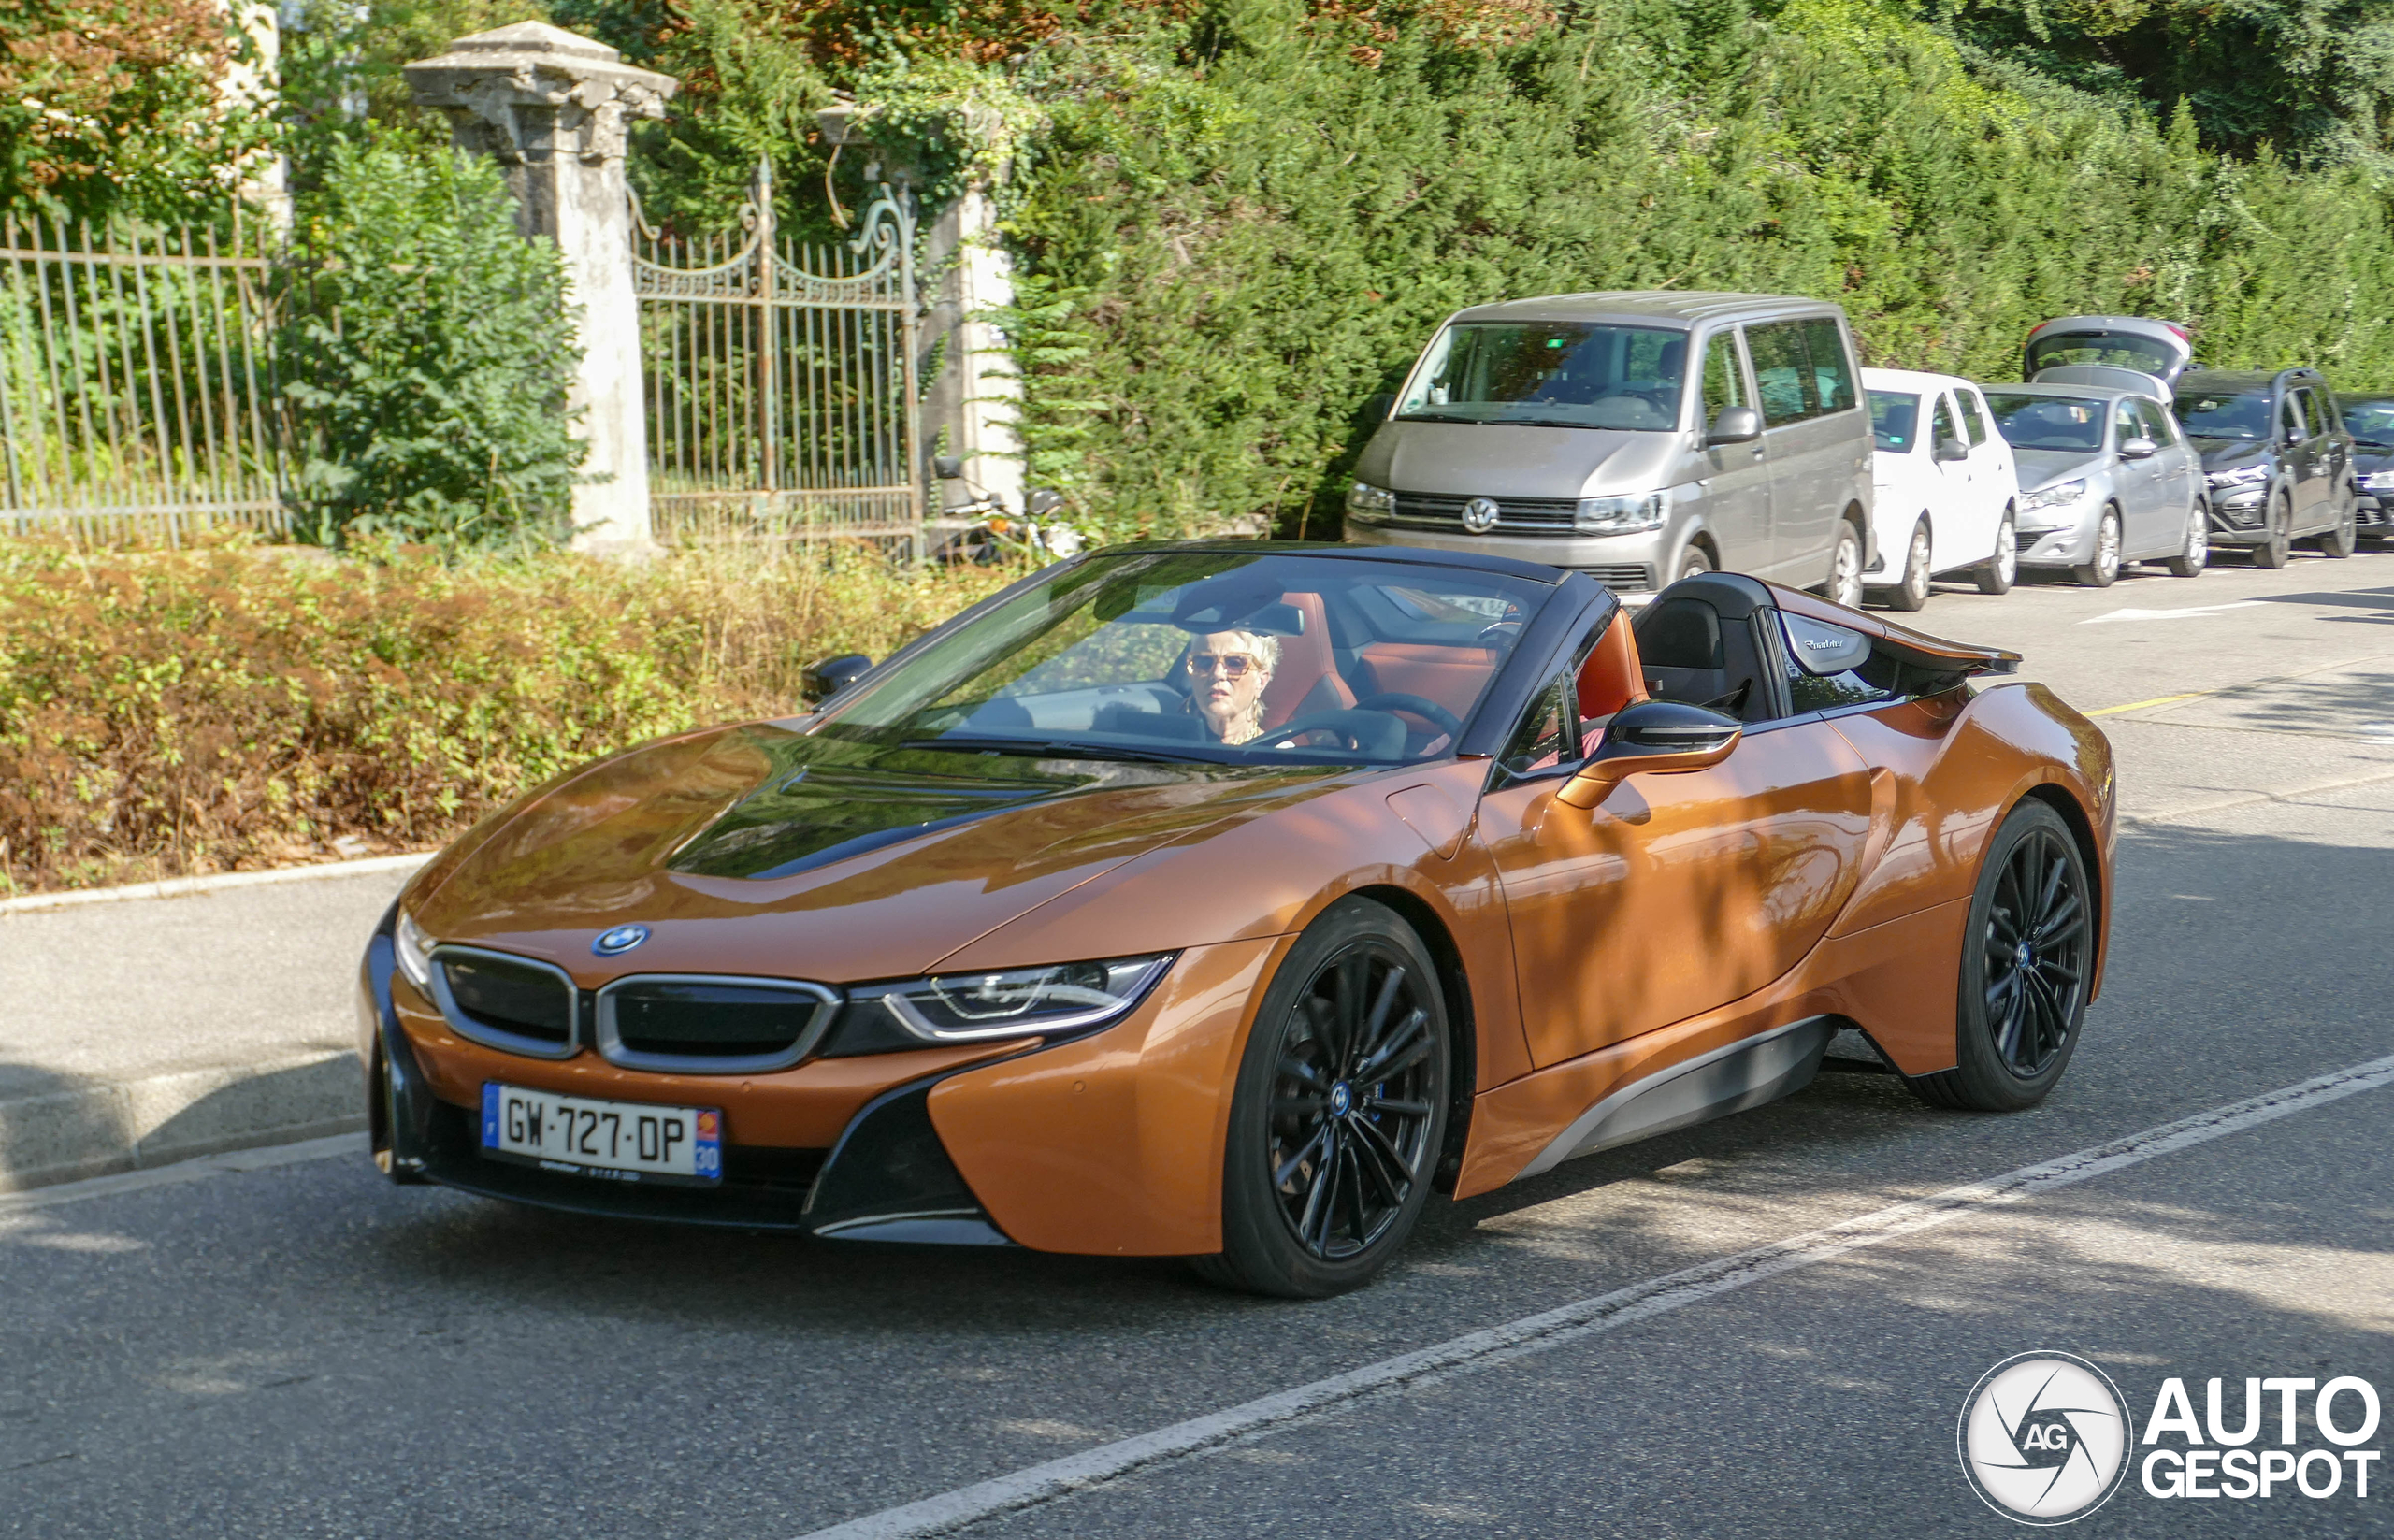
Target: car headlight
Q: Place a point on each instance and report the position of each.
(2376, 481)
(1621, 515)
(1369, 504)
(1068, 997)
(414, 949)
(2060, 495)
(2239, 476)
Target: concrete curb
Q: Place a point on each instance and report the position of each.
(176, 888)
(103, 1127)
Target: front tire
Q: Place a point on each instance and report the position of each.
(1693, 561)
(1996, 574)
(2196, 554)
(2278, 549)
(1339, 1113)
(2101, 572)
(1912, 592)
(2027, 958)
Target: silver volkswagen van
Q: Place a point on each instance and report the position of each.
(1637, 436)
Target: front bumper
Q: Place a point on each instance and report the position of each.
(2071, 545)
(1109, 1144)
(2239, 519)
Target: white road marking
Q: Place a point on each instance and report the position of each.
(1056, 1478)
(2185, 614)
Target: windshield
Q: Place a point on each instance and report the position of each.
(1551, 374)
(1893, 417)
(2370, 419)
(2121, 350)
(1212, 656)
(2047, 422)
(2224, 414)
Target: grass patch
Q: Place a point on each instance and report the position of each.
(174, 713)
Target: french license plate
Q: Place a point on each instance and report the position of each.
(618, 1140)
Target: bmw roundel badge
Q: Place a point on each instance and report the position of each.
(620, 940)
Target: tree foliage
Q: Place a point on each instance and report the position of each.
(431, 359)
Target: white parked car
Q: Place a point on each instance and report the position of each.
(1947, 488)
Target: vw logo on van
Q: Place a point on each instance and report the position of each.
(1479, 516)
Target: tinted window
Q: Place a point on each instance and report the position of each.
(1971, 417)
(2290, 416)
(1942, 427)
(2047, 422)
(1725, 383)
(2224, 414)
(2370, 419)
(1553, 373)
(1850, 672)
(2321, 408)
(1894, 416)
(1832, 367)
(1784, 372)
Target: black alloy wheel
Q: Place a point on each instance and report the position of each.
(2278, 549)
(1340, 1110)
(2027, 962)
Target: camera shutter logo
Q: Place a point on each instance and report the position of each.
(1479, 516)
(2044, 1438)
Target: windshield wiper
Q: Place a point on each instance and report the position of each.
(1049, 748)
(1436, 417)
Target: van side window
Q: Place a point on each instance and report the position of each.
(1971, 416)
(1829, 666)
(1782, 372)
(1724, 383)
(1832, 369)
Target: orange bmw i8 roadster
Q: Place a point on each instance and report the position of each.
(1229, 900)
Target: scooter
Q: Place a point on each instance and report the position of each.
(982, 529)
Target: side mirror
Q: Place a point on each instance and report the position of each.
(2138, 448)
(1660, 737)
(1952, 449)
(1735, 425)
(822, 680)
(947, 468)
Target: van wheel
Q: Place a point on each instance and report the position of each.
(1996, 574)
(1692, 561)
(1845, 567)
(1912, 592)
(1339, 1111)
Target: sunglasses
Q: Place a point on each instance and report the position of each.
(1233, 664)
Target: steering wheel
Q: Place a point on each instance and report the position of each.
(1499, 633)
(1413, 705)
(1374, 733)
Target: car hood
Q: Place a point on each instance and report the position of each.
(758, 849)
(2222, 454)
(2367, 459)
(2042, 467)
(1509, 460)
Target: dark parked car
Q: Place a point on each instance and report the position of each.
(2370, 419)
(2276, 456)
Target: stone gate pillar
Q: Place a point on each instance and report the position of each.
(553, 108)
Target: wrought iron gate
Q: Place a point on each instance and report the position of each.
(781, 378)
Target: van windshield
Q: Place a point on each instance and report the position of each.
(1551, 374)
(2120, 350)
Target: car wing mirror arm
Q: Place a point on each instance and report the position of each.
(1652, 737)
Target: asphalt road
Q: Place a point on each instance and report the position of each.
(304, 1351)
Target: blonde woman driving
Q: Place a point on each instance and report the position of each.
(1227, 672)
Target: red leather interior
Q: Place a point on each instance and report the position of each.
(1306, 679)
(1451, 676)
(1611, 679)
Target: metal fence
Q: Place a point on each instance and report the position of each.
(781, 378)
(136, 387)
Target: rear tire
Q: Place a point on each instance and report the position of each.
(2028, 954)
(1339, 1111)
(2195, 555)
(2278, 549)
(1996, 574)
(2344, 538)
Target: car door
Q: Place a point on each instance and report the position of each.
(1993, 482)
(2295, 444)
(1737, 487)
(2139, 486)
(1800, 449)
(2179, 469)
(2325, 452)
(1677, 893)
(1949, 511)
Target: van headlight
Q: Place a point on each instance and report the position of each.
(1369, 504)
(1622, 515)
(1069, 997)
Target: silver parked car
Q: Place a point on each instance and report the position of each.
(2106, 477)
(1636, 436)
(2110, 350)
